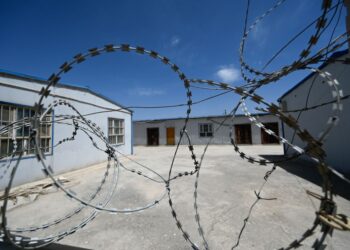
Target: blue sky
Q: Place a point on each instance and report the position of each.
(201, 37)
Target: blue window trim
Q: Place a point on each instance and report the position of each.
(52, 131)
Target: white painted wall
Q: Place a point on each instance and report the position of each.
(221, 136)
(336, 145)
(73, 154)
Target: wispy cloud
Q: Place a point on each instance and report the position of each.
(228, 73)
(146, 92)
(259, 34)
(174, 41)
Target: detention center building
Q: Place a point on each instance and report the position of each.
(19, 93)
(202, 129)
(314, 92)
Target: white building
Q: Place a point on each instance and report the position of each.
(311, 92)
(201, 129)
(19, 93)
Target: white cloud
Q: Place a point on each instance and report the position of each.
(147, 92)
(259, 34)
(174, 41)
(228, 73)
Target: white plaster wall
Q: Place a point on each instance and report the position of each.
(221, 136)
(73, 154)
(315, 120)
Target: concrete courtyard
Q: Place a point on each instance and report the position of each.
(225, 194)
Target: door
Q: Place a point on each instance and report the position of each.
(243, 134)
(267, 138)
(170, 136)
(152, 136)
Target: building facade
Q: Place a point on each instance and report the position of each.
(314, 91)
(203, 129)
(19, 93)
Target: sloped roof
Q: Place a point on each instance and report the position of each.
(335, 55)
(43, 81)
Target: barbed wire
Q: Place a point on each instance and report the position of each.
(326, 217)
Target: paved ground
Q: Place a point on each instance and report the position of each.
(226, 191)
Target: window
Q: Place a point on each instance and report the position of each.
(21, 132)
(115, 131)
(206, 130)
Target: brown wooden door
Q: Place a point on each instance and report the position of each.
(267, 138)
(153, 136)
(170, 136)
(243, 133)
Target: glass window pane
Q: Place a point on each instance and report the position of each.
(26, 112)
(48, 130)
(3, 124)
(120, 139)
(113, 140)
(5, 113)
(10, 151)
(19, 132)
(19, 114)
(48, 145)
(43, 130)
(48, 117)
(26, 131)
(3, 147)
(19, 145)
(12, 114)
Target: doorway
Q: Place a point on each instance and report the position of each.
(267, 138)
(170, 136)
(243, 133)
(152, 136)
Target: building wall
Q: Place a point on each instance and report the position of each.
(221, 136)
(315, 120)
(72, 154)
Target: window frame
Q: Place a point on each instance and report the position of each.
(30, 153)
(211, 130)
(113, 128)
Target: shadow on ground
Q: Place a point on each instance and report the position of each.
(54, 246)
(308, 171)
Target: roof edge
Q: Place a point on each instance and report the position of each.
(42, 81)
(334, 56)
(200, 117)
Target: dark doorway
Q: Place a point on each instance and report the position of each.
(170, 136)
(267, 138)
(243, 133)
(153, 136)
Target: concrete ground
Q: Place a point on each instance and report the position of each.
(225, 193)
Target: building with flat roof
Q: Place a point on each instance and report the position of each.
(203, 129)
